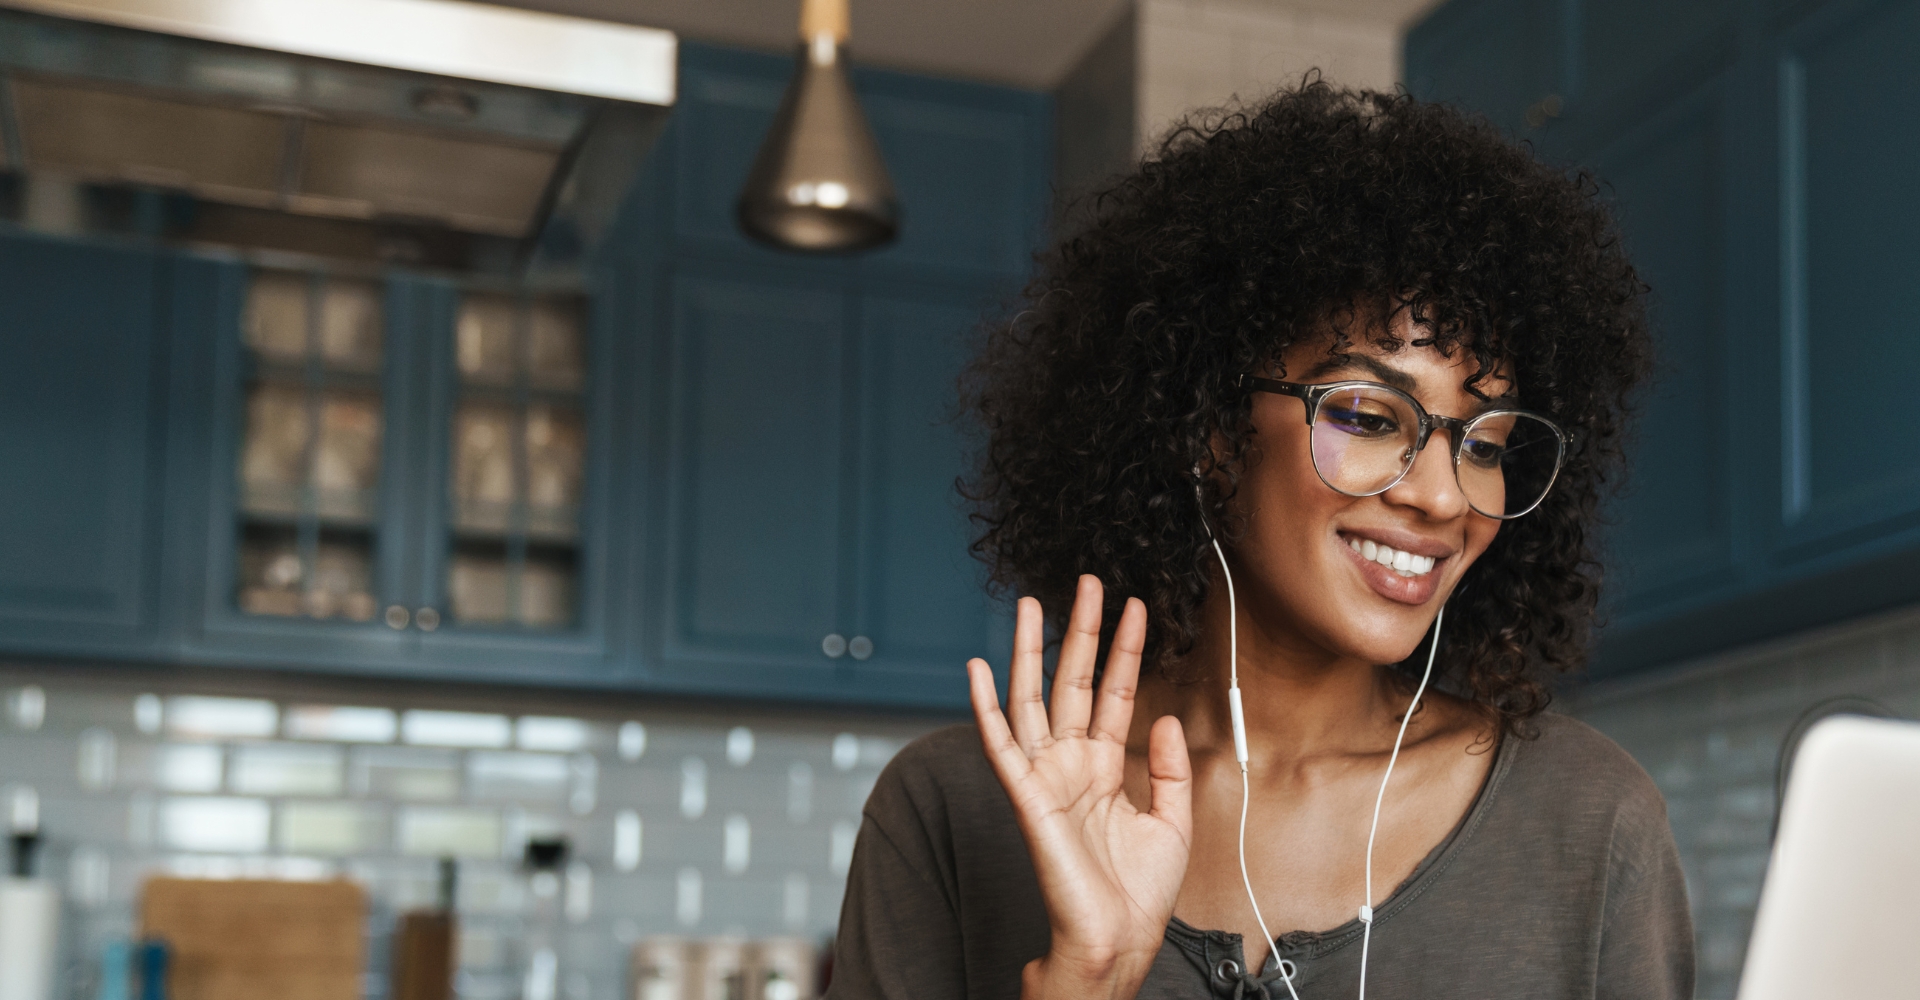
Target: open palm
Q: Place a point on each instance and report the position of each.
(1109, 873)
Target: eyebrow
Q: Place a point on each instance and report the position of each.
(1338, 363)
(1347, 362)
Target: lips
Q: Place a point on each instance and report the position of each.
(1403, 573)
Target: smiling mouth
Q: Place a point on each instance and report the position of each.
(1404, 563)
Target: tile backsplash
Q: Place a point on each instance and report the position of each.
(689, 821)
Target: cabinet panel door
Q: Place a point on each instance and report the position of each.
(756, 484)
(1853, 342)
(921, 594)
(728, 102)
(78, 356)
(968, 163)
(1627, 45)
(1496, 57)
(1674, 530)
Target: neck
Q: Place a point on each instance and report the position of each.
(1300, 701)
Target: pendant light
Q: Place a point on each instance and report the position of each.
(818, 184)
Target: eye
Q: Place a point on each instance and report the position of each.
(1360, 419)
(1483, 453)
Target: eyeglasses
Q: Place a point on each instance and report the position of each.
(1366, 436)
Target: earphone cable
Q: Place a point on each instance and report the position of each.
(1366, 905)
(1240, 750)
(1246, 787)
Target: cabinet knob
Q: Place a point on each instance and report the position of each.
(834, 645)
(860, 648)
(397, 616)
(427, 618)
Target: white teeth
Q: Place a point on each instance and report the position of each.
(1404, 563)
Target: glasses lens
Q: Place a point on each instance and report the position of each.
(1363, 438)
(1507, 462)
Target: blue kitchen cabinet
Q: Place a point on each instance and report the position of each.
(812, 542)
(764, 456)
(815, 543)
(1775, 480)
(757, 472)
(1673, 532)
(401, 547)
(81, 376)
(1506, 59)
(921, 599)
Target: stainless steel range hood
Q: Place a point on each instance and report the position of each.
(436, 132)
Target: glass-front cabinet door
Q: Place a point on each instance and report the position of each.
(518, 462)
(407, 487)
(513, 548)
(308, 476)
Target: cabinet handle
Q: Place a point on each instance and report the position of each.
(860, 648)
(396, 616)
(427, 618)
(834, 645)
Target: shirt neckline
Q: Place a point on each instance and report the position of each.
(1317, 943)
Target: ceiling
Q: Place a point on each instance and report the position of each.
(1023, 43)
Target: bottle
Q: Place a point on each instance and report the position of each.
(29, 911)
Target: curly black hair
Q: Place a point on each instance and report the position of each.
(1318, 210)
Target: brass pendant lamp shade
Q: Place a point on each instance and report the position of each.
(818, 184)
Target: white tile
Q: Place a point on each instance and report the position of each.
(739, 746)
(187, 767)
(447, 831)
(98, 756)
(687, 897)
(342, 723)
(329, 828)
(517, 776)
(215, 825)
(736, 844)
(190, 715)
(286, 769)
(693, 788)
(632, 740)
(456, 729)
(410, 773)
(628, 840)
(552, 733)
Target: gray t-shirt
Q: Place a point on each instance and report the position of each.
(1561, 882)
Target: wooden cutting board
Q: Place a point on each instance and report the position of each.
(248, 939)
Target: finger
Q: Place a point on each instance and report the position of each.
(1026, 707)
(1008, 760)
(1073, 676)
(1113, 709)
(1170, 776)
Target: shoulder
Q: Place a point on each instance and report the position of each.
(1571, 776)
(937, 776)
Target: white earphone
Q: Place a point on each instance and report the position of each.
(1240, 754)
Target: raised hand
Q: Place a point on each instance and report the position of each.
(1109, 873)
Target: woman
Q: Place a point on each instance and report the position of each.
(1317, 372)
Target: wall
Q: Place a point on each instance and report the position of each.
(1160, 59)
(1710, 734)
(1198, 53)
(744, 819)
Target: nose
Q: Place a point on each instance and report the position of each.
(1431, 486)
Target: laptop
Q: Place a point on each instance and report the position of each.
(1840, 913)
